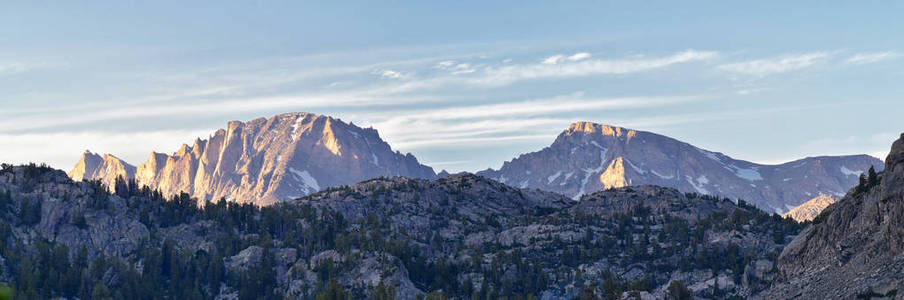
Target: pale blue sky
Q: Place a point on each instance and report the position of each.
(463, 85)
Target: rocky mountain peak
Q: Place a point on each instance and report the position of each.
(588, 157)
(106, 168)
(184, 150)
(594, 128)
(89, 162)
(270, 159)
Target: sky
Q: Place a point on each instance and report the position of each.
(462, 85)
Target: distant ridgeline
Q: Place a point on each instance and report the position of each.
(286, 156)
(461, 236)
(589, 157)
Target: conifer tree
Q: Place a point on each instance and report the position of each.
(873, 177)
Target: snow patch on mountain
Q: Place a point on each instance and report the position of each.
(553, 177)
(591, 172)
(567, 176)
(849, 172)
(295, 126)
(749, 173)
(699, 183)
(306, 179)
(709, 154)
(667, 177)
(636, 168)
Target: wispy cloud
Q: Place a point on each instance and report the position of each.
(553, 67)
(206, 108)
(553, 59)
(390, 74)
(574, 102)
(478, 123)
(455, 67)
(579, 56)
(763, 67)
(873, 57)
(559, 58)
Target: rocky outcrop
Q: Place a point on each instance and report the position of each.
(456, 214)
(371, 269)
(588, 157)
(463, 234)
(67, 217)
(855, 246)
(810, 209)
(264, 160)
(414, 205)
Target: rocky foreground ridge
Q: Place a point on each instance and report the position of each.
(462, 236)
(855, 247)
(263, 161)
(589, 157)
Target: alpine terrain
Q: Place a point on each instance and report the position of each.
(589, 157)
(855, 247)
(461, 236)
(262, 161)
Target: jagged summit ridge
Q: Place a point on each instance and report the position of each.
(592, 128)
(588, 157)
(270, 159)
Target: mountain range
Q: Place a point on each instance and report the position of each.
(291, 155)
(589, 157)
(459, 236)
(262, 161)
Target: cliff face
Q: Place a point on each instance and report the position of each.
(588, 157)
(267, 160)
(855, 246)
